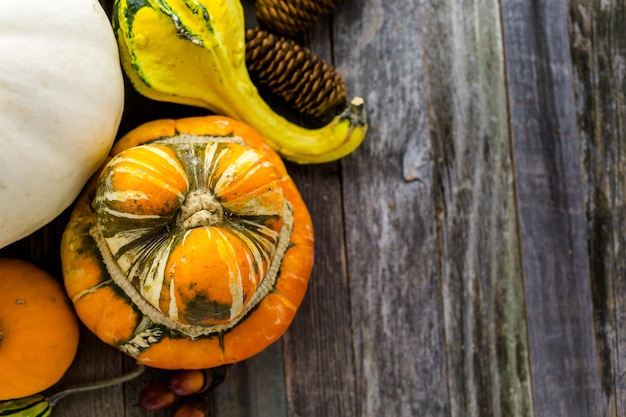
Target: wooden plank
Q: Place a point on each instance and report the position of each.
(390, 220)
(598, 53)
(254, 387)
(487, 350)
(318, 352)
(318, 347)
(551, 217)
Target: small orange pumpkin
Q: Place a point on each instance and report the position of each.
(38, 330)
(193, 248)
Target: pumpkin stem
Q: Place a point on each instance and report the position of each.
(53, 399)
(200, 208)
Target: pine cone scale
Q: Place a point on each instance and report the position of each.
(289, 17)
(305, 81)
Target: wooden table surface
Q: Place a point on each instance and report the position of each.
(470, 254)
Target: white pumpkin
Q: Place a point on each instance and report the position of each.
(61, 101)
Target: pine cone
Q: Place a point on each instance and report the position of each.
(289, 17)
(290, 71)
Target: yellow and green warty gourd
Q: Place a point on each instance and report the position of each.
(193, 52)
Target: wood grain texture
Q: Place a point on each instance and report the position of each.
(319, 365)
(318, 351)
(598, 48)
(390, 220)
(482, 288)
(551, 216)
(254, 388)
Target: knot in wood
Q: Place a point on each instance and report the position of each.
(200, 208)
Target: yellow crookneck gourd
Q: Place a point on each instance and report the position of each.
(192, 52)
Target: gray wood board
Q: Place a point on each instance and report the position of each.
(390, 217)
(598, 48)
(482, 287)
(551, 216)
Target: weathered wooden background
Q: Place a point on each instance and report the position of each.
(471, 254)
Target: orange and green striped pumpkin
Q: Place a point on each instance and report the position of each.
(192, 248)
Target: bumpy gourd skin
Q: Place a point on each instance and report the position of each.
(32, 406)
(193, 52)
(176, 287)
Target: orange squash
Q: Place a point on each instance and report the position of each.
(38, 330)
(192, 249)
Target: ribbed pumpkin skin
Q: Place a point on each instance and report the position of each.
(39, 330)
(200, 288)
